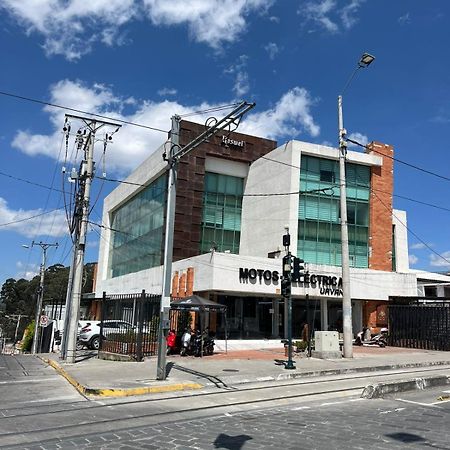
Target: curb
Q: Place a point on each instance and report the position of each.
(113, 392)
(380, 390)
(343, 371)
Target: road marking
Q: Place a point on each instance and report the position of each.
(50, 399)
(30, 380)
(417, 403)
(300, 408)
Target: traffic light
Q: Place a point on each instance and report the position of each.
(287, 266)
(297, 268)
(285, 288)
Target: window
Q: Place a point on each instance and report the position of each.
(319, 231)
(327, 176)
(136, 242)
(222, 209)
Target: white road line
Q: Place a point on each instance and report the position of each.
(300, 408)
(51, 399)
(30, 380)
(417, 403)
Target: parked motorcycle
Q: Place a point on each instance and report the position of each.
(171, 342)
(364, 338)
(186, 339)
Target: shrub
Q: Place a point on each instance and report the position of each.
(28, 335)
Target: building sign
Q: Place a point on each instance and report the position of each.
(232, 142)
(258, 274)
(327, 285)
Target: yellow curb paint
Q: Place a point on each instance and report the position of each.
(120, 392)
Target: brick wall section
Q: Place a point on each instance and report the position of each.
(380, 226)
(191, 178)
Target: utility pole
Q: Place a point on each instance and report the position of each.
(175, 153)
(86, 174)
(44, 246)
(365, 60)
(346, 298)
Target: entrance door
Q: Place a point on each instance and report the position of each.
(265, 319)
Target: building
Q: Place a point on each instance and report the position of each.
(235, 195)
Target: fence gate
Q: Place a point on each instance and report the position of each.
(129, 324)
(421, 326)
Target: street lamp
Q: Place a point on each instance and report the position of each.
(365, 60)
(44, 246)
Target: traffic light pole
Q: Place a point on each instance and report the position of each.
(286, 284)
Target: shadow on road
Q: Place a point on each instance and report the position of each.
(231, 442)
(215, 380)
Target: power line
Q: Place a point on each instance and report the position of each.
(429, 172)
(30, 182)
(54, 105)
(30, 218)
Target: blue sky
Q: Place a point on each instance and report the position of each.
(145, 60)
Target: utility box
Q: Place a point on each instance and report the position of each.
(326, 345)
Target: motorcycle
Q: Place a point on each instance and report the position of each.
(364, 338)
(186, 343)
(171, 342)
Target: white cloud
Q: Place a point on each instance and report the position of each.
(290, 117)
(440, 261)
(348, 13)
(272, 49)
(241, 82)
(358, 137)
(71, 27)
(329, 15)
(418, 246)
(213, 22)
(413, 260)
(52, 224)
(26, 272)
(164, 92)
(405, 19)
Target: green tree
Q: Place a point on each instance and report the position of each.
(19, 296)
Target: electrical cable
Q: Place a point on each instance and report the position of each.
(54, 105)
(29, 218)
(214, 109)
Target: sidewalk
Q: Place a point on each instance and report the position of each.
(93, 376)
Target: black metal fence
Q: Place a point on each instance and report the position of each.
(129, 324)
(420, 325)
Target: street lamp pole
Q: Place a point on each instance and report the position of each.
(365, 60)
(44, 246)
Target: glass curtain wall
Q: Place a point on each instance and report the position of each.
(222, 209)
(319, 232)
(136, 242)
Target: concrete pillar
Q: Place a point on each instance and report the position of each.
(324, 314)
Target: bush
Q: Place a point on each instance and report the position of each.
(28, 335)
(301, 345)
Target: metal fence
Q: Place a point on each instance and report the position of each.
(420, 325)
(129, 324)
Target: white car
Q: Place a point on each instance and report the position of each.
(90, 333)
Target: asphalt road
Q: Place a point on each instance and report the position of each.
(39, 410)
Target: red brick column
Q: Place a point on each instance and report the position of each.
(380, 212)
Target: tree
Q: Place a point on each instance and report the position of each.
(19, 296)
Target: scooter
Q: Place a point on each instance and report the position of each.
(186, 343)
(363, 338)
(208, 344)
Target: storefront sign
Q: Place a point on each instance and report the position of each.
(327, 285)
(258, 274)
(232, 142)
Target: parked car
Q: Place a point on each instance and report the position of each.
(90, 333)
